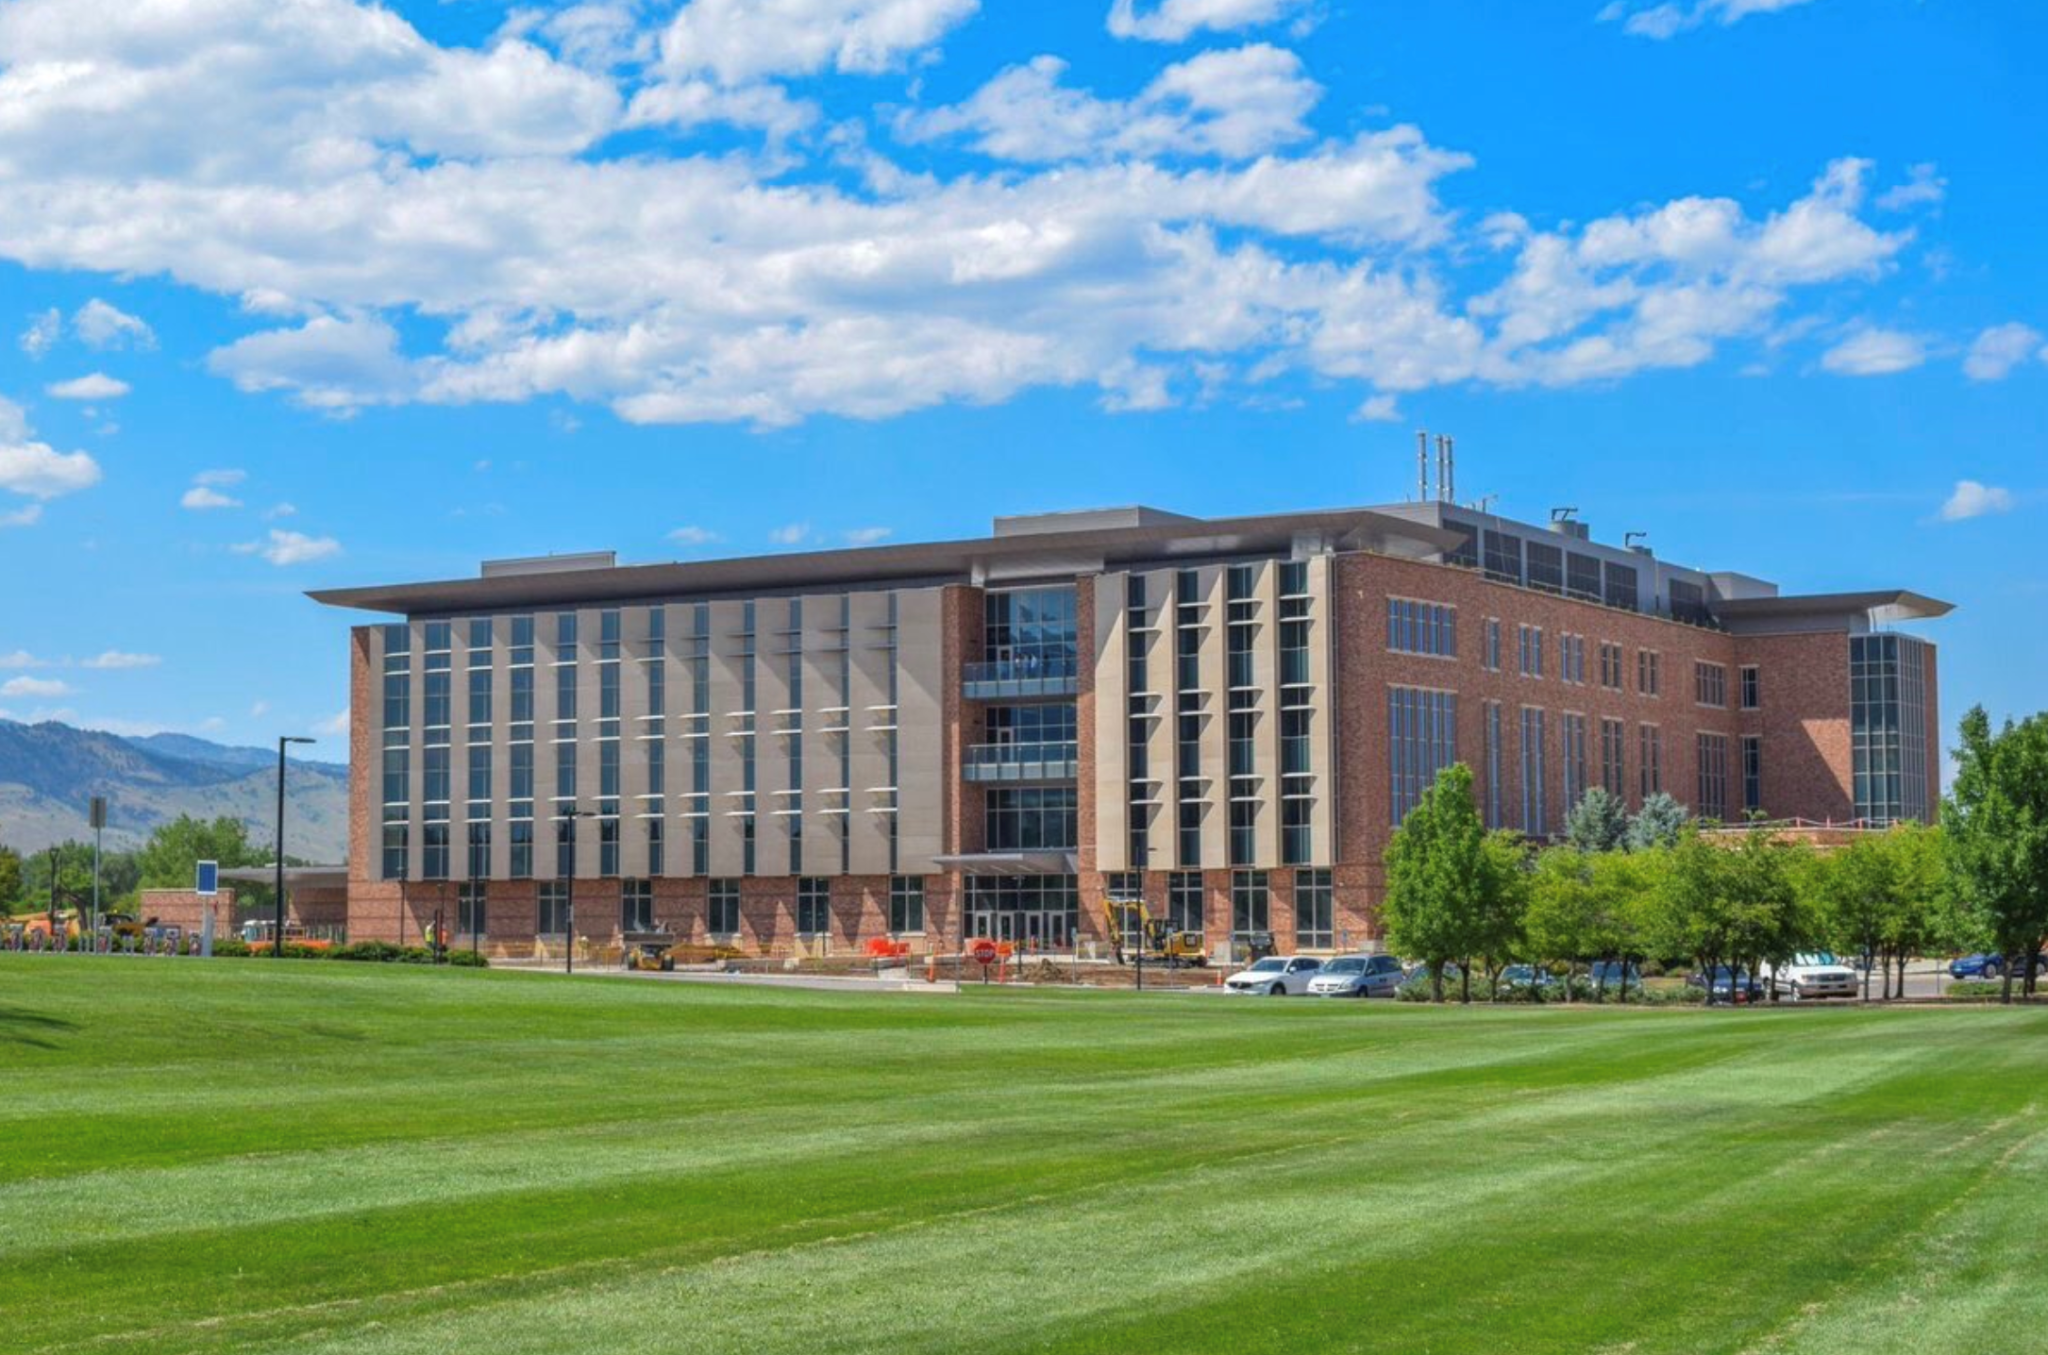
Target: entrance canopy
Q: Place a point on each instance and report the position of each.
(1013, 863)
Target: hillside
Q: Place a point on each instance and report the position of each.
(49, 771)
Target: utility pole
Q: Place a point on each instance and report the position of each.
(99, 824)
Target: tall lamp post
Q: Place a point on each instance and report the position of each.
(570, 816)
(277, 938)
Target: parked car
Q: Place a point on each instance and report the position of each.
(1519, 976)
(1613, 973)
(1991, 967)
(1357, 976)
(1725, 985)
(1815, 974)
(1275, 976)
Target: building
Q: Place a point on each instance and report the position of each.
(801, 752)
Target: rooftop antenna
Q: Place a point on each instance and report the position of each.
(1629, 539)
(1447, 478)
(1484, 503)
(1422, 465)
(1562, 514)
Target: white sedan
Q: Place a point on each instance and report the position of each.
(1275, 976)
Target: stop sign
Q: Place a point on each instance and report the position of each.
(983, 951)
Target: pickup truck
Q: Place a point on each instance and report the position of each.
(1809, 976)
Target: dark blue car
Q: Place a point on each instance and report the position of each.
(1990, 967)
(1740, 985)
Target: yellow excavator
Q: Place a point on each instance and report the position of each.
(1162, 944)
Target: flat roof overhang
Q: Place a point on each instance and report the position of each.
(1879, 606)
(1025, 555)
(1012, 863)
(307, 877)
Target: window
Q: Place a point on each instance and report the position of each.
(1503, 557)
(1571, 658)
(1649, 672)
(1494, 818)
(479, 851)
(1710, 684)
(1184, 901)
(1713, 778)
(1582, 576)
(1689, 603)
(434, 851)
(1620, 581)
(1421, 740)
(636, 906)
(1250, 909)
(1888, 728)
(1752, 692)
(1422, 628)
(554, 915)
(1610, 666)
(1031, 629)
(1531, 646)
(470, 909)
(1491, 658)
(1613, 751)
(1535, 819)
(1752, 774)
(520, 867)
(395, 853)
(1314, 907)
(906, 903)
(1031, 818)
(1650, 759)
(723, 918)
(1573, 728)
(1546, 567)
(813, 906)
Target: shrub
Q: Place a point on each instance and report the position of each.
(1676, 995)
(1973, 988)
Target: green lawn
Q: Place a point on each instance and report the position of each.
(327, 1157)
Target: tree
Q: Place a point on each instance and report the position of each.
(1879, 898)
(1769, 918)
(1438, 874)
(1598, 822)
(1658, 823)
(10, 880)
(1500, 910)
(1688, 912)
(1995, 834)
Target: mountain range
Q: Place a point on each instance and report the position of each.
(49, 772)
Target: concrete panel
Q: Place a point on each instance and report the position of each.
(729, 662)
(872, 663)
(1110, 750)
(920, 761)
(1322, 674)
(824, 651)
(773, 646)
(1211, 584)
(1265, 644)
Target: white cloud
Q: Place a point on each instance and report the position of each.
(868, 536)
(335, 726)
(336, 172)
(1668, 18)
(259, 709)
(1973, 500)
(42, 333)
(290, 548)
(1235, 104)
(328, 363)
(119, 659)
(21, 658)
(221, 478)
(105, 326)
(94, 386)
(28, 515)
(1923, 188)
(1176, 20)
(739, 41)
(795, 534)
(1379, 409)
(34, 469)
(1872, 351)
(33, 686)
(693, 536)
(280, 510)
(200, 499)
(2001, 348)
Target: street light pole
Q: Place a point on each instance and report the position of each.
(571, 815)
(277, 938)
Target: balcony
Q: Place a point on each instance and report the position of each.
(1026, 676)
(1021, 762)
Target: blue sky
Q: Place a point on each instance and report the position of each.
(310, 294)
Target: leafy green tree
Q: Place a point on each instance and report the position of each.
(1880, 898)
(176, 848)
(1585, 907)
(1768, 916)
(1658, 823)
(1995, 832)
(1500, 910)
(1438, 872)
(1598, 822)
(1689, 913)
(10, 880)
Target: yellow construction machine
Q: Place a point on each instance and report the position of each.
(1160, 943)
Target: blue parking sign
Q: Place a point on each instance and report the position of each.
(208, 883)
